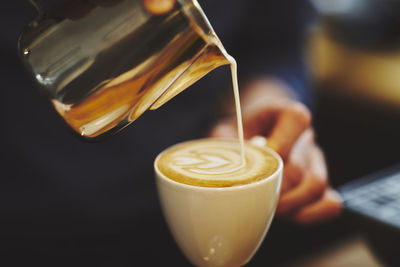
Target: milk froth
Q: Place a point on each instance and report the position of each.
(216, 163)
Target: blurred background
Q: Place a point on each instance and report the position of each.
(353, 52)
(352, 55)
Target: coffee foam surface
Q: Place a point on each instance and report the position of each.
(216, 163)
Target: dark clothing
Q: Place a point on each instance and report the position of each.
(62, 198)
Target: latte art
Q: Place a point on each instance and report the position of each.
(216, 163)
(208, 160)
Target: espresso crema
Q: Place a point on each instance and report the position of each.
(216, 163)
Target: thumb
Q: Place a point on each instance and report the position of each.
(224, 128)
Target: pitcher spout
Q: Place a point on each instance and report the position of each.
(210, 58)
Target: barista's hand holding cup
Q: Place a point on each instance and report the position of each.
(217, 208)
(270, 110)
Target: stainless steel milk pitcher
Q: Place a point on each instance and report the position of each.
(101, 69)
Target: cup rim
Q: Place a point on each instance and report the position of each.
(164, 178)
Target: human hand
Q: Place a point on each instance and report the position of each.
(269, 110)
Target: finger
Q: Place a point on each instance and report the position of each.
(260, 122)
(226, 129)
(301, 151)
(310, 188)
(292, 175)
(298, 161)
(289, 125)
(159, 7)
(327, 207)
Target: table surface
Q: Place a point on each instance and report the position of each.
(350, 252)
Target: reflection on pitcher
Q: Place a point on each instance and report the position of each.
(103, 66)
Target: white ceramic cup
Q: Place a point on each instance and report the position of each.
(219, 226)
